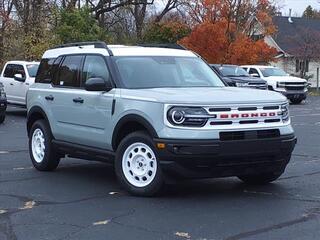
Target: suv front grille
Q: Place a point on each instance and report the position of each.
(245, 115)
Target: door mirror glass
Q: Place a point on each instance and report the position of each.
(97, 84)
(18, 77)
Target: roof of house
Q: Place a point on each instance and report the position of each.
(290, 34)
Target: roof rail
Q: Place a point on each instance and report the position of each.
(163, 45)
(96, 44)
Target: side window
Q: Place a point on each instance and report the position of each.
(94, 67)
(44, 74)
(68, 73)
(253, 71)
(12, 69)
(245, 68)
(8, 72)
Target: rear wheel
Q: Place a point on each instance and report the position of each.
(2, 118)
(42, 155)
(260, 179)
(137, 166)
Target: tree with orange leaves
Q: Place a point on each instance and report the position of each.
(219, 34)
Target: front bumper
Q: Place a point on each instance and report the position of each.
(216, 158)
(297, 95)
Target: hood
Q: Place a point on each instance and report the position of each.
(204, 95)
(285, 79)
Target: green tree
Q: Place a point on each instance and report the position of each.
(78, 25)
(169, 32)
(309, 12)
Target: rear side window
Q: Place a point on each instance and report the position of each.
(44, 74)
(12, 69)
(68, 73)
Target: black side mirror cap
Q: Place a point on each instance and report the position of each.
(97, 84)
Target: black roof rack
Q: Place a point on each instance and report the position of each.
(163, 45)
(96, 44)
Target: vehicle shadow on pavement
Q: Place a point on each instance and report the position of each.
(18, 112)
(103, 177)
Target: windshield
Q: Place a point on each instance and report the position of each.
(233, 71)
(171, 72)
(32, 69)
(269, 72)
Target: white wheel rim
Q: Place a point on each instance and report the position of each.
(37, 145)
(139, 164)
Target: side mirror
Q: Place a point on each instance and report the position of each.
(18, 77)
(255, 75)
(97, 84)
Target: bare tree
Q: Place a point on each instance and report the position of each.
(6, 7)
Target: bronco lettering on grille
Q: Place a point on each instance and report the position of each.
(248, 115)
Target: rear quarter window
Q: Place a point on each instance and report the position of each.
(44, 74)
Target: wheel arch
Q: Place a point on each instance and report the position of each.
(128, 124)
(34, 114)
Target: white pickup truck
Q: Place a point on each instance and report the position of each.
(17, 77)
(294, 88)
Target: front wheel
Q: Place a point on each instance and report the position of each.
(42, 154)
(137, 166)
(260, 179)
(2, 118)
(296, 101)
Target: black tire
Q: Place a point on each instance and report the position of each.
(296, 101)
(260, 179)
(2, 118)
(155, 186)
(51, 159)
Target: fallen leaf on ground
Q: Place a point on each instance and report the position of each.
(101, 223)
(3, 211)
(113, 193)
(183, 235)
(28, 205)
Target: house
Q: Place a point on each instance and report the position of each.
(297, 41)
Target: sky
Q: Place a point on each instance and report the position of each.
(298, 6)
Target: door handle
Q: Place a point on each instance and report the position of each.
(78, 100)
(49, 98)
(11, 84)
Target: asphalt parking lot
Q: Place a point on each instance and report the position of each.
(82, 200)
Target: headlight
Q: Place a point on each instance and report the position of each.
(281, 85)
(242, 84)
(187, 116)
(285, 112)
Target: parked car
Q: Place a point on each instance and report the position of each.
(154, 113)
(3, 103)
(294, 88)
(236, 76)
(17, 77)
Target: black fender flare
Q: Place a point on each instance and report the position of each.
(133, 118)
(31, 112)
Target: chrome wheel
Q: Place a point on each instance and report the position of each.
(37, 144)
(139, 164)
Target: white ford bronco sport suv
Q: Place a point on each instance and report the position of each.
(157, 114)
(17, 77)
